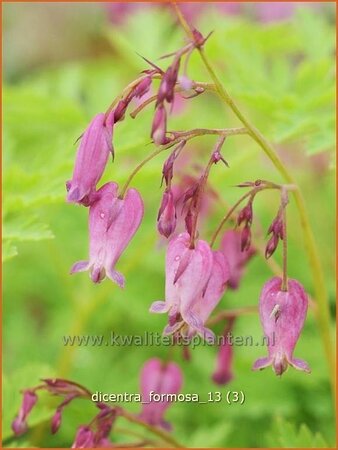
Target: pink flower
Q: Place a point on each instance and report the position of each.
(166, 219)
(19, 425)
(91, 159)
(160, 378)
(112, 224)
(282, 316)
(207, 302)
(187, 274)
(237, 259)
(223, 373)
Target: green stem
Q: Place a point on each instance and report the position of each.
(178, 137)
(157, 431)
(323, 314)
(284, 202)
(227, 314)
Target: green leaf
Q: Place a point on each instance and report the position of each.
(286, 435)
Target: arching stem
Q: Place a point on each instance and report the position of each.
(323, 314)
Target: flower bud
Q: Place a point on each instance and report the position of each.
(245, 238)
(120, 110)
(84, 438)
(271, 246)
(167, 215)
(159, 127)
(56, 421)
(245, 215)
(223, 373)
(142, 88)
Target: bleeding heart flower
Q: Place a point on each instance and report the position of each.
(187, 274)
(112, 224)
(160, 378)
(282, 316)
(91, 159)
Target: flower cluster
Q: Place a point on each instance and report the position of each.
(196, 274)
(157, 377)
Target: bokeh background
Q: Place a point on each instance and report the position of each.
(65, 62)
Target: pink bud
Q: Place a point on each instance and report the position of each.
(91, 159)
(245, 215)
(282, 315)
(198, 38)
(276, 227)
(120, 110)
(56, 421)
(231, 248)
(168, 82)
(112, 224)
(271, 246)
(167, 215)
(245, 238)
(19, 425)
(168, 166)
(142, 88)
(84, 438)
(223, 373)
(160, 378)
(159, 127)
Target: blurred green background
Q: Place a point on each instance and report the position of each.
(63, 63)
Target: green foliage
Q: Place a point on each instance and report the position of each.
(282, 74)
(287, 435)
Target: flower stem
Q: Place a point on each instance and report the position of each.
(178, 136)
(160, 433)
(284, 202)
(197, 85)
(323, 315)
(230, 313)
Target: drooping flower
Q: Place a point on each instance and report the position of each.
(91, 159)
(19, 425)
(208, 300)
(187, 274)
(112, 224)
(282, 315)
(166, 219)
(160, 378)
(237, 259)
(223, 373)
